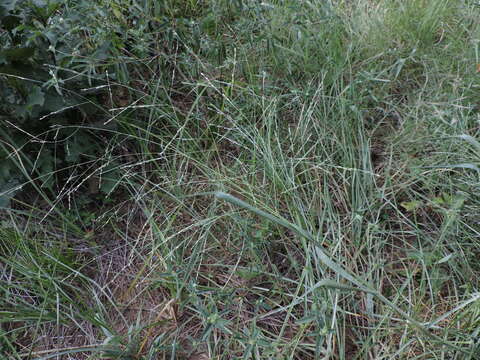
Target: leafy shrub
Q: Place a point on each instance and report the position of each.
(39, 85)
(55, 59)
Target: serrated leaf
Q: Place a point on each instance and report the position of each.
(411, 205)
(452, 201)
(36, 97)
(249, 274)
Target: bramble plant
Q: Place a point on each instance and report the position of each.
(40, 82)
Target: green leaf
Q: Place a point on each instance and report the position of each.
(110, 178)
(7, 6)
(307, 319)
(8, 190)
(249, 273)
(454, 202)
(19, 54)
(36, 97)
(411, 206)
(438, 200)
(10, 22)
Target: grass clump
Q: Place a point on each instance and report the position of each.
(281, 180)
